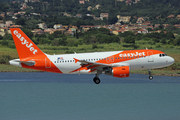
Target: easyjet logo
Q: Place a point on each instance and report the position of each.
(25, 42)
(132, 54)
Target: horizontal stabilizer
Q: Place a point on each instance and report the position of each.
(17, 62)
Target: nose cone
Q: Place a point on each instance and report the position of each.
(170, 60)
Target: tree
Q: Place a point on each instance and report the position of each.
(112, 19)
(163, 41)
(1, 18)
(20, 21)
(102, 38)
(5, 8)
(161, 27)
(55, 43)
(176, 41)
(1, 37)
(4, 43)
(127, 33)
(62, 41)
(155, 40)
(57, 34)
(104, 30)
(170, 35)
(114, 39)
(129, 39)
(51, 36)
(7, 36)
(28, 33)
(139, 36)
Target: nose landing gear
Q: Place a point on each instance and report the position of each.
(150, 76)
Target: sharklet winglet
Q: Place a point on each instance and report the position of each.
(76, 60)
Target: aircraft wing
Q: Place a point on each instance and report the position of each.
(94, 65)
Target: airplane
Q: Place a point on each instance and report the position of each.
(115, 63)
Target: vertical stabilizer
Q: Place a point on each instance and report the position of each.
(24, 45)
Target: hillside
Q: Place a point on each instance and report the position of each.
(157, 11)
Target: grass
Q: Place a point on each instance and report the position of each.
(159, 72)
(10, 68)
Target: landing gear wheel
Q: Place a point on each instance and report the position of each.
(150, 77)
(96, 80)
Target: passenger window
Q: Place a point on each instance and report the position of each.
(54, 61)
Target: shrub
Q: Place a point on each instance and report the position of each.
(94, 46)
(4, 59)
(163, 41)
(4, 43)
(158, 46)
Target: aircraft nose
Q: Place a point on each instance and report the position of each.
(171, 60)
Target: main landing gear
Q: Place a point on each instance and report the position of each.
(96, 78)
(150, 76)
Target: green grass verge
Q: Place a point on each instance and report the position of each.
(10, 68)
(158, 72)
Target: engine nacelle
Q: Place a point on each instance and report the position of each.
(120, 72)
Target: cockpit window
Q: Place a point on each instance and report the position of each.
(162, 55)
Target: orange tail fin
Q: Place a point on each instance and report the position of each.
(24, 45)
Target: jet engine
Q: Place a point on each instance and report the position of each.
(120, 72)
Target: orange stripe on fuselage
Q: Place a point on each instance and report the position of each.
(128, 55)
(122, 57)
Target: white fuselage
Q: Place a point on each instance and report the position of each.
(66, 62)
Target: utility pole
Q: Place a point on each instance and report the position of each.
(115, 3)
